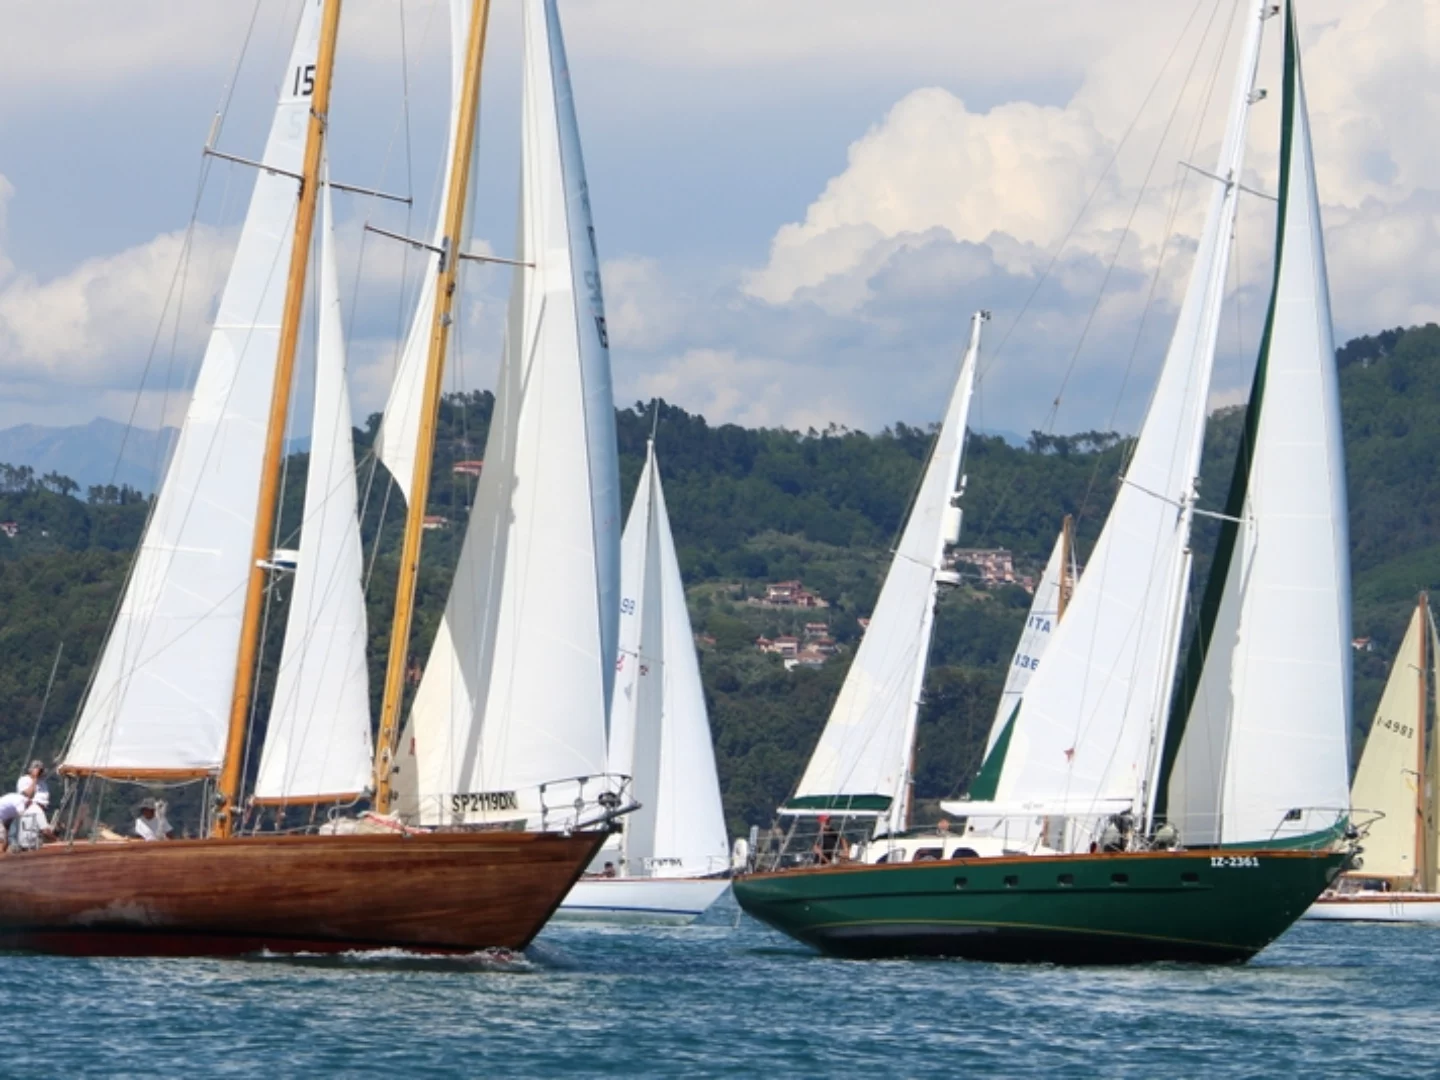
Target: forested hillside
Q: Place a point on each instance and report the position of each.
(751, 507)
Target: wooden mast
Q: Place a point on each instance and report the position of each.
(1067, 544)
(1424, 855)
(230, 779)
(430, 405)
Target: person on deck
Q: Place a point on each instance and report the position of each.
(32, 828)
(35, 775)
(830, 846)
(149, 825)
(12, 805)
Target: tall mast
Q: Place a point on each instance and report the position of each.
(1067, 549)
(455, 199)
(230, 778)
(1424, 851)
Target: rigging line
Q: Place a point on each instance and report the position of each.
(1177, 193)
(227, 93)
(44, 701)
(1094, 191)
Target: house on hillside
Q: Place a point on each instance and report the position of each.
(435, 521)
(10, 528)
(467, 468)
(785, 645)
(994, 565)
(790, 594)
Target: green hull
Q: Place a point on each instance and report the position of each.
(1208, 907)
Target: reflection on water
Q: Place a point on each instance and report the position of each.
(717, 997)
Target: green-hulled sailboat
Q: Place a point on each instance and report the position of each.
(1138, 805)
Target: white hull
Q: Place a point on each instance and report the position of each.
(1391, 907)
(673, 901)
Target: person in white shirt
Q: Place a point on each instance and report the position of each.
(151, 824)
(32, 828)
(11, 807)
(35, 775)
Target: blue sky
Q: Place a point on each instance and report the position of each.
(798, 202)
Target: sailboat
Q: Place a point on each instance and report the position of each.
(1394, 788)
(1186, 812)
(670, 862)
(170, 700)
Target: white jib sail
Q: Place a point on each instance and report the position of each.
(1387, 780)
(660, 731)
(317, 744)
(395, 443)
(160, 698)
(865, 750)
(1093, 714)
(516, 691)
(1276, 681)
(1039, 625)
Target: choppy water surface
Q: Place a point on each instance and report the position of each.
(716, 998)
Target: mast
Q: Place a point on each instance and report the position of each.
(1424, 851)
(230, 779)
(1067, 552)
(454, 223)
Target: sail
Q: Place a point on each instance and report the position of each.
(1090, 715)
(317, 742)
(1388, 778)
(1275, 635)
(516, 691)
(399, 434)
(159, 702)
(660, 732)
(1430, 868)
(1040, 623)
(862, 760)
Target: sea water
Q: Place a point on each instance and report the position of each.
(728, 996)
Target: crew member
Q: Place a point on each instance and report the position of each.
(830, 846)
(149, 825)
(35, 775)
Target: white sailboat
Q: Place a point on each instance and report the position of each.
(671, 861)
(1131, 772)
(1052, 593)
(1393, 797)
(1107, 729)
(516, 690)
(171, 699)
(860, 771)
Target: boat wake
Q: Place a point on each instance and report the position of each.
(394, 959)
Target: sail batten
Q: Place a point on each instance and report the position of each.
(160, 698)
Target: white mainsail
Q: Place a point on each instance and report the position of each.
(159, 702)
(399, 434)
(1275, 685)
(1388, 778)
(1091, 716)
(516, 692)
(659, 730)
(863, 758)
(317, 743)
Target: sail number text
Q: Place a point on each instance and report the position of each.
(483, 800)
(304, 84)
(1234, 860)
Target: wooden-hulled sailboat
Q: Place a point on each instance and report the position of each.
(670, 862)
(1393, 797)
(171, 695)
(1189, 817)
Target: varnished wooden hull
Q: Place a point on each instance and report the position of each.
(432, 892)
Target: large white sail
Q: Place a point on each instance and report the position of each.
(1275, 685)
(660, 732)
(862, 760)
(1093, 712)
(1387, 780)
(399, 435)
(159, 702)
(516, 691)
(317, 743)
